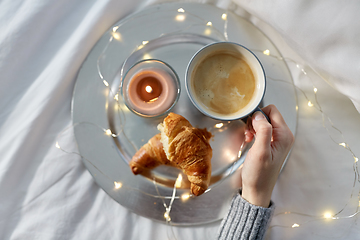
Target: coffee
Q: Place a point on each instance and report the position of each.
(224, 83)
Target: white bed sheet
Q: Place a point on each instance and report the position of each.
(46, 193)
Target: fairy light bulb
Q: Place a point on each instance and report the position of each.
(180, 17)
(185, 197)
(116, 35)
(266, 52)
(105, 83)
(310, 104)
(356, 159)
(167, 216)
(116, 97)
(57, 145)
(343, 144)
(209, 24)
(295, 225)
(207, 31)
(219, 125)
(181, 10)
(117, 185)
(315, 90)
(108, 132)
(145, 42)
(328, 215)
(178, 181)
(224, 16)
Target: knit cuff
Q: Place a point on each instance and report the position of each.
(245, 220)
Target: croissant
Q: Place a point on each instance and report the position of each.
(188, 148)
(149, 156)
(179, 145)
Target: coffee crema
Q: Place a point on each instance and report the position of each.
(224, 83)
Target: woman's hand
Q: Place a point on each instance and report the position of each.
(266, 157)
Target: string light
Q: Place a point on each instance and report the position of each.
(116, 35)
(219, 125)
(108, 132)
(328, 215)
(343, 144)
(167, 216)
(295, 225)
(185, 196)
(147, 56)
(266, 52)
(118, 185)
(178, 181)
(207, 31)
(105, 83)
(181, 17)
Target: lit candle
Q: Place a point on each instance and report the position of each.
(151, 91)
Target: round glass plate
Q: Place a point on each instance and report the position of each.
(108, 133)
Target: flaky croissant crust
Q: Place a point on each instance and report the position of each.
(189, 149)
(179, 145)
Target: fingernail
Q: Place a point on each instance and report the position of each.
(258, 116)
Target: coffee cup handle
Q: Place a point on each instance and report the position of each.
(259, 110)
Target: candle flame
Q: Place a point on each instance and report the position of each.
(148, 89)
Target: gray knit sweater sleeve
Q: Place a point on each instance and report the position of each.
(245, 221)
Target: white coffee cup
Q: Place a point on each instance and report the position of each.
(236, 50)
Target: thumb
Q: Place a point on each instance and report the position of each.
(262, 128)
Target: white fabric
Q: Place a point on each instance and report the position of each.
(46, 193)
